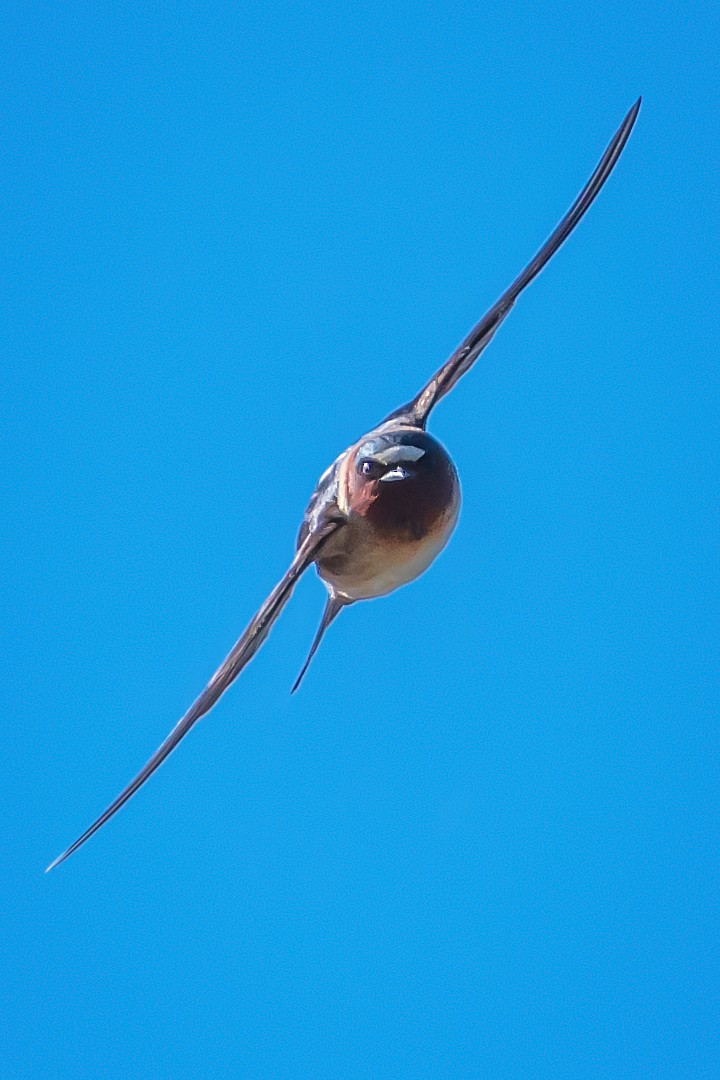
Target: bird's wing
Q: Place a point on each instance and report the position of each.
(241, 653)
(417, 411)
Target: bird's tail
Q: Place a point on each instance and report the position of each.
(332, 609)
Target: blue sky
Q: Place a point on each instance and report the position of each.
(482, 838)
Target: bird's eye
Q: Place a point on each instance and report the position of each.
(373, 470)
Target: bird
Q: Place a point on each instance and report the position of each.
(385, 508)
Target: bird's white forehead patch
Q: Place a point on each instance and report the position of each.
(395, 455)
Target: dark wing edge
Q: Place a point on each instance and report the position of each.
(240, 655)
(416, 411)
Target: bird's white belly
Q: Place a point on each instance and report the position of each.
(360, 567)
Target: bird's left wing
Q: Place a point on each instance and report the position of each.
(241, 653)
(416, 412)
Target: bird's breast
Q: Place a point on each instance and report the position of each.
(391, 535)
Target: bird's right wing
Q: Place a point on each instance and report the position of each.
(241, 653)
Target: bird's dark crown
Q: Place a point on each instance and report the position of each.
(389, 454)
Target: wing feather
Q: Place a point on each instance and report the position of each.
(240, 655)
(417, 411)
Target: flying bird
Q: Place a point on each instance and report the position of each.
(386, 506)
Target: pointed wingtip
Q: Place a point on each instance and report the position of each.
(631, 116)
(73, 847)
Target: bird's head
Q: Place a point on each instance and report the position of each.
(402, 480)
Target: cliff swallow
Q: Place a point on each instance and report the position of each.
(385, 508)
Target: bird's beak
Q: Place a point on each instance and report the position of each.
(398, 473)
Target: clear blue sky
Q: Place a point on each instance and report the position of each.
(482, 840)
